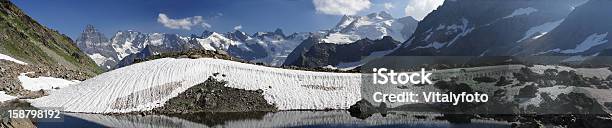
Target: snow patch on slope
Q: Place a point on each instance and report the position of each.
(5, 97)
(522, 11)
(552, 91)
(9, 58)
(43, 83)
(436, 45)
(601, 73)
(163, 79)
(539, 69)
(99, 59)
(588, 43)
(463, 28)
(540, 30)
(339, 38)
(458, 30)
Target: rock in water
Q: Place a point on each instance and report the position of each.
(362, 109)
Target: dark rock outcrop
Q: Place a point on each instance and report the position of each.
(362, 109)
(213, 96)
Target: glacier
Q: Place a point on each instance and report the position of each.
(150, 84)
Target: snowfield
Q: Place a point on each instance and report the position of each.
(44, 83)
(150, 84)
(9, 58)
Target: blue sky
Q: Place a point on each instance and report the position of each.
(194, 16)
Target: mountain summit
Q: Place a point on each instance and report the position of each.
(353, 38)
(98, 47)
(372, 26)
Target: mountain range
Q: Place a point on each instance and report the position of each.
(353, 41)
(271, 48)
(456, 28)
(126, 46)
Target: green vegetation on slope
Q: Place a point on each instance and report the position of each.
(25, 39)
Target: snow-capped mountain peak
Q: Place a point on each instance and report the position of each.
(238, 35)
(279, 31)
(372, 26)
(344, 22)
(206, 33)
(382, 15)
(216, 41)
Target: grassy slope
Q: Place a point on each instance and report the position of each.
(27, 40)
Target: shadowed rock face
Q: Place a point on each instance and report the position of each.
(312, 53)
(583, 24)
(481, 27)
(94, 42)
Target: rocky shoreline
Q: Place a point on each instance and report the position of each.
(363, 110)
(567, 109)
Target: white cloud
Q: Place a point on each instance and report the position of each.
(341, 7)
(185, 23)
(420, 8)
(388, 6)
(238, 27)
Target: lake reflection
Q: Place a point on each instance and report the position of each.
(272, 119)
